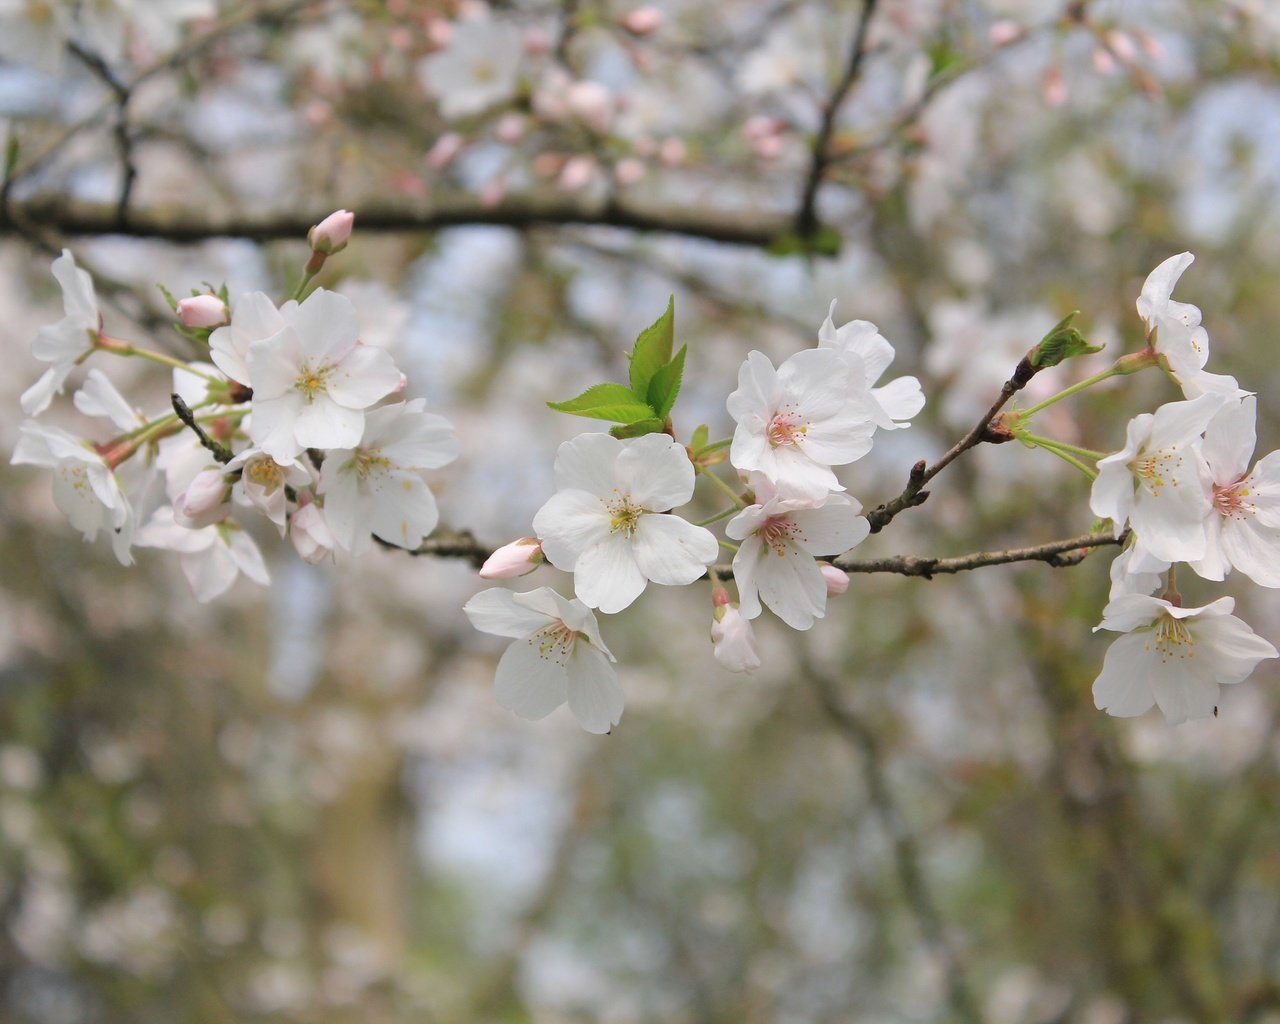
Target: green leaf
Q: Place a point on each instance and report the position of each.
(1062, 343)
(666, 384)
(168, 297)
(699, 439)
(638, 428)
(652, 351)
(606, 402)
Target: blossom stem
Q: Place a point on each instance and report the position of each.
(735, 498)
(727, 546)
(719, 516)
(1075, 389)
(714, 446)
(1051, 446)
(1049, 442)
(124, 348)
(307, 277)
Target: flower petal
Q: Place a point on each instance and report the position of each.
(595, 695)
(496, 611)
(672, 551)
(531, 681)
(606, 575)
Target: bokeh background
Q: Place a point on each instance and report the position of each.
(302, 803)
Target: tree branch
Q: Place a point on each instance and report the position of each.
(806, 215)
(188, 226)
(1059, 553)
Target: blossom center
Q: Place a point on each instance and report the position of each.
(555, 642)
(777, 532)
(1173, 639)
(313, 380)
(1232, 500)
(265, 473)
(624, 517)
(785, 428)
(1157, 470)
(367, 461)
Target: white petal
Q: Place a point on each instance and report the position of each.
(1159, 284)
(792, 585)
(672, 551)
(327, 325)
(1252, 548)
(210, 572)
(364, 376)
(607, 576)
(404, 510)
(655, 470)
(1233, 649)
(99, 397)
(1184, 687)
(36, 398)
(595, 696)
(531, 681)
(1131, 611)
(745, 562)
(831, 529)
(568, 524)
(1123, 688)
(322, 423)
(247, 557)
(900, 399)
(495, 611)
(586, 464)
(1230, 438)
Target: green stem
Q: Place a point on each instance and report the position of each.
(1092, 474)
(718, 516)
(123, 348)
(307, 277)
(737, 501)
(1049, 442)
(1088, 382)
(730, 547)
(714, 446)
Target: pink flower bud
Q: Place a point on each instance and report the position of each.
(642, 21)
(592, 103)
(1122, 46)
(1004, 32)
(734, 640)
(203, 311)
(519, 558)
(311, 536)
(207, 500)
(1103, 62)
(509, 128)
(332, 233)
(578, 173)
(441, 154)
(629, 171)
(837, 579)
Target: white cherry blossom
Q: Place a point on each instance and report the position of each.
(313, 379)
(869, 354)
(1156, 482)
(254, 317)
(1174, 331)
(84, 487)
(733, 640)
(211, 556)
(478, 69)
(1174, 657)
(775, 560)
(1134, 571)
(605, 525)
(66, 342)
(797, 421)
(1243, 527)
(263, 481)
(557, 655)
(376, 488)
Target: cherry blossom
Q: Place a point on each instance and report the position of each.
(480, 68)
(376, 489)
(558, 655)
(869, 354)
(84, 487)
(1155, 482)
(254, 317)
(69, 340)
(779, 539)
(1174, 657)
(605, 525)
(1243, 528)
(211, 557)
(310, 534)
(1174, 330)
(313, 380)
(733, 640)
(796, 422)
(263, 482)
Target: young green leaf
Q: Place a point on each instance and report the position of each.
(638, 428)
(652, 351)
(1062, 343)
(666, 384)
(700, 435)
(606, 402)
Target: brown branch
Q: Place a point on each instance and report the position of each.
(1059, 553)
(984, 430)
(806, 216)
(189, 226)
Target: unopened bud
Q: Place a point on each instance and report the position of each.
(837, 579)
(519, 558)
(332, 233)
(206, 501)
(1004, 32)
(203, 311)
(642, 21)
(733, 640)
(592, 103)
(578, 173)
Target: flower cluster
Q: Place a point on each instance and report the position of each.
(1183, 488)
(294, 420)
(610, 522)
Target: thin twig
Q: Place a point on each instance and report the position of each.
(806, 215)
(219, 451)
(1059, 553)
